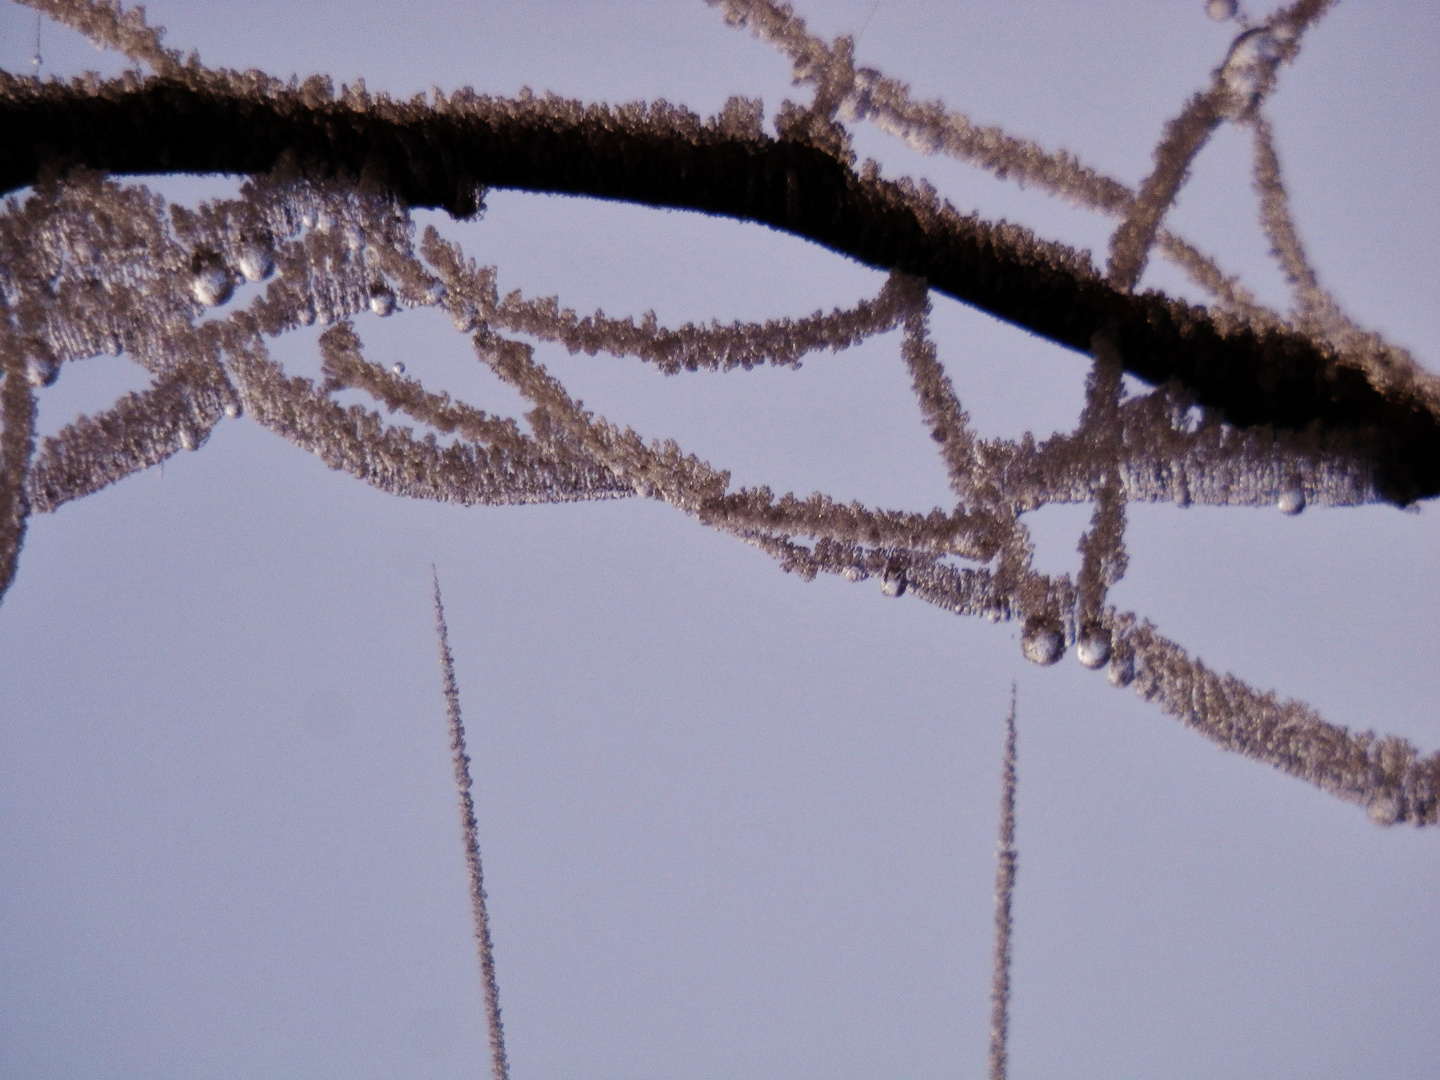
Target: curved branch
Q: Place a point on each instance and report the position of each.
(441, 156)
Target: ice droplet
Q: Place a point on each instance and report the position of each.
(893, 582)
(255, 262)
(853, 573)
(1122, 669)
(1042, 641)
(1220, 10)
(1093, 648)
(1249, 64)
(465, 317)
(188, 441)
(210, 281)
(1387, 808)
(41, 368)
(1291, 501)
(398, 368)
(382, 300)
(234, 410)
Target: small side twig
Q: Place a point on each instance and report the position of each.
(1006, 861)
(499, 1067)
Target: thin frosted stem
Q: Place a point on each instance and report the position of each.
(1006, 861)
(499, 1067)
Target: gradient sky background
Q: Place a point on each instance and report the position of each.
(734, 825)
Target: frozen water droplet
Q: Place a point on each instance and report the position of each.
(210, 281)
(398, 369)
(853, 573)
(893, 583)
(1220, 10)
(41, 368)
(1249, 66)
(1387, 808)
(36, 61)
(234, 410)
(255, 262)
(188, 440)
(307, 219)
(1042, 641)
(382, 300)
(1122, 669)
(1093, 648)
(1291, 501)
(465, 318)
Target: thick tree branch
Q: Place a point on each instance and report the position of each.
(444, 155)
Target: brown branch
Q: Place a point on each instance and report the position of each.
(443, 155)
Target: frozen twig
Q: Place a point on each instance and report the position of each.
(499, 1067)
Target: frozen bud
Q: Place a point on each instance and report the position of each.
(1093, 647)
(1042, 641)
(1291, 501)
(1220, 10)
(41, 367)
(1387, 808)
(210, 281)
(398, 368)
(382, 300)
(893, 582)
(1122, 669)
(255, 261)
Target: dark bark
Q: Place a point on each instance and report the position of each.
(444, 157)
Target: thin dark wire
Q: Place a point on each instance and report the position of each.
(1006, 862)
(499, 1067)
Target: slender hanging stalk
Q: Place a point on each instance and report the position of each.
(1005, 859)
(499, 1067)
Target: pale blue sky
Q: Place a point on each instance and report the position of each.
(734, 825)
